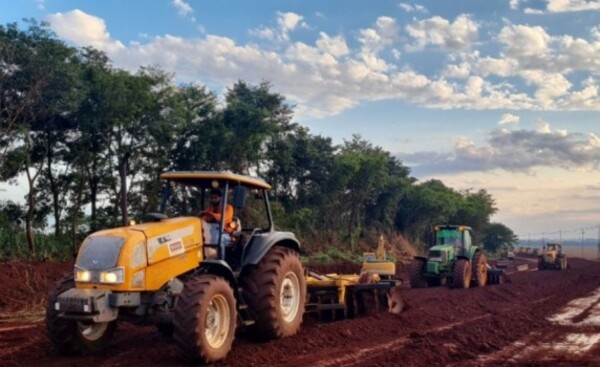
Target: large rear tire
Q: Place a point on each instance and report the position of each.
(462, 274)
(415, 274)
(75, 337)
(204, 319)
(275, 290)
(479, 270)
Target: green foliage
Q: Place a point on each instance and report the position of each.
(93, 139)
(498, 235)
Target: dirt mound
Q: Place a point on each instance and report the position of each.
(25, 285)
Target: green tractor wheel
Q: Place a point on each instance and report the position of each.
(479, 271)
(415, 274)
(462, 273)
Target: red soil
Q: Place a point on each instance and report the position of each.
(441, 327)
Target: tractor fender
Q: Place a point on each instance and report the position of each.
(464, 257)
(219, 268)
(472, 252)
(260, 244)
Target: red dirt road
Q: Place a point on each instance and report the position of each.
(538, 319)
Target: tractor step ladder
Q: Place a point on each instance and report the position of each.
(244, 313)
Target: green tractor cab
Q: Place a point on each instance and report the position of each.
(453, 260)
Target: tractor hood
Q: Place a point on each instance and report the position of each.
(441, 253)
(169, 237)
(115, 257)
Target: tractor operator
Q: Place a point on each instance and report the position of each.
(213, 213)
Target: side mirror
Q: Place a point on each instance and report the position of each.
(239, 197)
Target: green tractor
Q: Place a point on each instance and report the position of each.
(453, 260)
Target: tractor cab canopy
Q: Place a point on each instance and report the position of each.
(207, 179)
(188, 193)
(452, 235)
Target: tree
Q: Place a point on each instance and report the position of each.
(475, 211)
(37, 90)
(498, 235)
(252, 118)
(425, 205)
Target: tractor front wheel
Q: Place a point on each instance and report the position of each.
(462, 273)
(75, 337)
(479, 271)
(275, 290)
(415, 274)
(204, 319)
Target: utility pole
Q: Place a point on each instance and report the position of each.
(543, 237)
(560, 236)
(582, 235)
(598, 241)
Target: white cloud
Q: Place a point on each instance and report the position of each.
(514, 151)
(328, 76)
(335, 46)
(524, 42)
(533, 11)
(543, 126)
(183, 8)
(421, 8)
(286, 23)
(409, 8)
(406, 7)
(509, 119)
(514, 4)
(461, 71)
(559, 6)
(437, 31)
(83, 30)
(264, 33)
(289, 21)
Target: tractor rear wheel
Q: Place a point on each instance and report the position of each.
(563, 263)
(204, 319)
(275, 290)
(479, 271)
(462, 273)
(415, 274)
(75, 337)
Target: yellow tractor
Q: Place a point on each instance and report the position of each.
(193, 278)
(552, 257)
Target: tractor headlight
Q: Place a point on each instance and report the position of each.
(113, 276)
(82, 275)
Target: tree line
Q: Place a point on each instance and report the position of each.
(90, 141)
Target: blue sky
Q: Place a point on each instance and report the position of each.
(495, 94)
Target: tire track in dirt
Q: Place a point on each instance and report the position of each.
(576, 339)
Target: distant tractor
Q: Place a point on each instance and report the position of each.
(552, 257)
(453, 260)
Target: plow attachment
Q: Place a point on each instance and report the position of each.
(337, 296)
(495, 276)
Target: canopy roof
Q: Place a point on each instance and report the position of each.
(205, 178)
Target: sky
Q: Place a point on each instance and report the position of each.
(501, 95)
